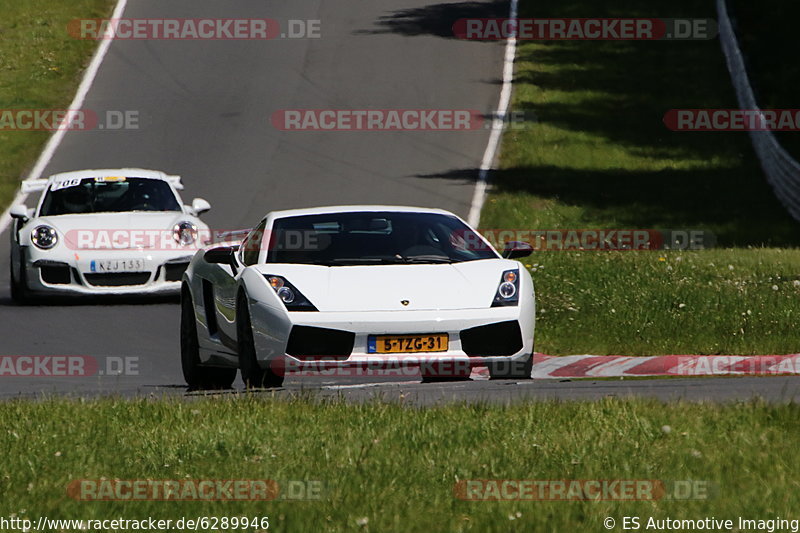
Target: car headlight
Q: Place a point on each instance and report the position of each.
(44, 237)
(185, 233)
(289, 295)
(508, 289)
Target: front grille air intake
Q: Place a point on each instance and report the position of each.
(54, 272)
(307, 342)
(174, 271)
(120, 279)
(500, 338)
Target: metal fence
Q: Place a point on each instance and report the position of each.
(781, 169)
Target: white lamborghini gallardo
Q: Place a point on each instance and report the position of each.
(352, 285)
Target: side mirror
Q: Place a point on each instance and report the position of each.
(200, 206)
(515, 249)
(221, 256)
(19, 211)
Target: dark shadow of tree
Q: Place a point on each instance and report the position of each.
(769, 44)
(739, 211)
(621, 92)
(436, 19)
(618, 92)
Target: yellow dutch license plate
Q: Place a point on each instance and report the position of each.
(432, 342)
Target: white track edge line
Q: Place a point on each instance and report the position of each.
(77, 102)
(498, 125)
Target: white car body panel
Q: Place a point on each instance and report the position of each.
(82, 257)
(381, 288)
(363, 300)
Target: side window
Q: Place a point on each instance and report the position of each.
(251, 247)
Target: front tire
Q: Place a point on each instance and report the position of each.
(253, 375)
(198, 377)
(19, 287)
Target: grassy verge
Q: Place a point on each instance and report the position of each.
(396, 466)
(643, 303)
(599, 156)
(40, 68)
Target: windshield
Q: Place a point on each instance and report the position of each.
(108, 195)
(362, 238)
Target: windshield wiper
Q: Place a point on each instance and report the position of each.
(344, 261)
(418, 259)
(396, 260)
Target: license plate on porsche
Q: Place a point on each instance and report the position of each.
(432, 342)
(117, 265)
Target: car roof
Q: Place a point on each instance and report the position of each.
(355, 209)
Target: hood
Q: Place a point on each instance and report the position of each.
(468, 285)
(117, 231)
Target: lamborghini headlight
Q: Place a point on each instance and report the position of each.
(508, 290)
(289, 295)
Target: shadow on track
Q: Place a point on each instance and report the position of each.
(435, 19)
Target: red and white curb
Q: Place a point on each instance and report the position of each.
(612, 366)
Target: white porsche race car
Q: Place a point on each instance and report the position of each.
(355, 285)
(120, 231)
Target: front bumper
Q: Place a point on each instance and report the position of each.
(273, 330)
(54, 274)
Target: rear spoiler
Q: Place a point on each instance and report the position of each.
(175, 181)
(29, 186)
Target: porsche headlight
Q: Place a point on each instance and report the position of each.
(44, 237)
(508, 291)
(185, 233)
(289, 295)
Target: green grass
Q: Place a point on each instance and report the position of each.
(651, 303)
(599, 156)
(396, 466)
(40, 68)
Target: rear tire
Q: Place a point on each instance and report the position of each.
(198, 377)
(253, 375)
(511, 370)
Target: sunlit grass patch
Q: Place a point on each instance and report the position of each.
(394, 468)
